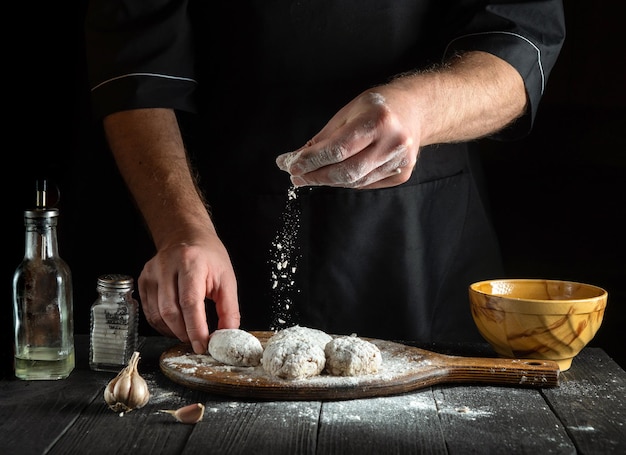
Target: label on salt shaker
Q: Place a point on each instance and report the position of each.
(109, 335)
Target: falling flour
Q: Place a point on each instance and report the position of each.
(284, 257)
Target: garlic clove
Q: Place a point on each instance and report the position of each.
(139, 393)
(128, 390)
(192, 413)
(122, 386)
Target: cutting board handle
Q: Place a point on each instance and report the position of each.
(519, 372)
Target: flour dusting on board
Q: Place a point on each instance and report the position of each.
(396, 363)
(284, 257)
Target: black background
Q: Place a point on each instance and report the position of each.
(558, 196)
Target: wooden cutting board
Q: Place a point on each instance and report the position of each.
(404, 368)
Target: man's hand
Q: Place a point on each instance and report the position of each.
(374, 140)
(191, 263)
(367, 144)
(175, 282)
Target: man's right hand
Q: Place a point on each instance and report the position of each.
(175, 282)
(191, 263)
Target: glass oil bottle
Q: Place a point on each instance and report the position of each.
(42, 300)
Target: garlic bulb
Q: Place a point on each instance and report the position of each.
(128, 390)
(187, 414)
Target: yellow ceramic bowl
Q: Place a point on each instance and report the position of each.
(537, 319)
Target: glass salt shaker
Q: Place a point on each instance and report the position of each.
(43, 300)
(114, 323)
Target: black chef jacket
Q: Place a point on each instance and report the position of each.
(261, 78)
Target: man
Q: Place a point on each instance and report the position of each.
(369, 107)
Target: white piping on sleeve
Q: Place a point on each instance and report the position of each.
(165, 76)
(543, 79)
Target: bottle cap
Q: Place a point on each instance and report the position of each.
(41, 213)
(114, 282)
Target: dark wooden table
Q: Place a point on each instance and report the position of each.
(585, 414)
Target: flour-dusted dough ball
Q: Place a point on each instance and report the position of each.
(316, 336)
(235, 347)
(295, 353)
(352, 356)
(293, 358)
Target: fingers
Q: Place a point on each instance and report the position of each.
(391, 173)
(149, 296)
(362, 146)
(337, 148)
(222, 289)
(193, 323)
(393, 177)
(364, 164)
(173, 298)
(227, 306)
(345, 135)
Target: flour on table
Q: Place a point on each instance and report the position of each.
(235, 347)
(352, 356)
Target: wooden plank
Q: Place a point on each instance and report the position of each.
(244, 427)
(70, 416)
(591, 403)
(146, 430)
(477, 420)
(241, 427)
(397, 424)
(35, 412)
(142, 431)
(262, 428)
(6, 358)
(404, 368)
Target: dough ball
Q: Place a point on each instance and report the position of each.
(235, 347)
(293, 358)
(295, 353)
(352, 356)
(302, 333)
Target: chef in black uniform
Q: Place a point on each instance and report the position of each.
(346, 127)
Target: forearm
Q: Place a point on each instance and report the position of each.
(150, 155)
(373, 140)
(475, 95)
